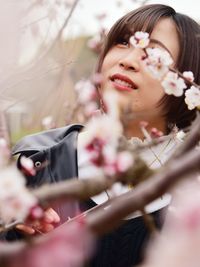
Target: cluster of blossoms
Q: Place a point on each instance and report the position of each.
(87, 94)
(69, 245)
(158, 62)
(15, 200)
(182, 224)
(101, 144)
(95, 43)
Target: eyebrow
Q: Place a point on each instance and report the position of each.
(162, 45)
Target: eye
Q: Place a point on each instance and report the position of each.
(122, 42)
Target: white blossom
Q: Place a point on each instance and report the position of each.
(157, 55)
(192, 97)
(158, 62)
(124, 161)
(48, 122)
(189, 75)
(90, 108)
(104, 128)
(139, 39)
(86, 91)
(15, 200)
(110, 160)
(173, 85)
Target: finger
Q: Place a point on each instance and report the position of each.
(45, 228)
(48, 227)
(51, 216)
(25, 228)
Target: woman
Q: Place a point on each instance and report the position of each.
(124, 73)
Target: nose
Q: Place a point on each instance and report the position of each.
(131, 61)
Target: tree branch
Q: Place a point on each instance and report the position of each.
(104, 220)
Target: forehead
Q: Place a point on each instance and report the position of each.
(165, 31)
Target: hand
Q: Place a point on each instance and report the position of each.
(44, 225)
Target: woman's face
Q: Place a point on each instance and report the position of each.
(124, 72)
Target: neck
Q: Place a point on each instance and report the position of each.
(133, 129)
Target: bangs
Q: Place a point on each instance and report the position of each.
(142, 19)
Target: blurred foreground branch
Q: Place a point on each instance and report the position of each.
(100, 220)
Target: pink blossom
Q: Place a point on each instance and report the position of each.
(115, 162)
(48, 123)
(178, 244)
(156, 133)
(100, 128)
(15, 200)
(97, 78)
(90, 109)
(35, 213)
(95, 43)
(67, 246)
(86, 91)
(27, 166)
(124, 161)
(173, 85)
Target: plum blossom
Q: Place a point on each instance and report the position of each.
(173, 85)
(95, 43)
(157, 62)
(86, 91)
(155, 133)
(48, 123)
(114, 162)
(90, 109)
(27, 166)
(182, 224)
(69, 245)
(124, 161)
(139, 39)
(102, 137)
(112, 103)
(97, 78)
(15, 200)
(192, 97)
(101, 146)
(189, 75)
(103, 128)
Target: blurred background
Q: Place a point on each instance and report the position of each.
(49, 45)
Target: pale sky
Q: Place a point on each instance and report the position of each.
(84, 21)
(83, 18)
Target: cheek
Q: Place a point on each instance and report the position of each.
(153, 89)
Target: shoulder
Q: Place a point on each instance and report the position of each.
(43, 140)
(49, 151)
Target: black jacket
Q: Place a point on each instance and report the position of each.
(57, 150)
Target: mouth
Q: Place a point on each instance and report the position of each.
(123, 83)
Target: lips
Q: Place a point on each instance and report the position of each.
(122, 82)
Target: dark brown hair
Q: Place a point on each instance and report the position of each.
(145, 19)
